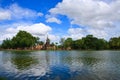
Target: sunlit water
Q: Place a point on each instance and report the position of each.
(60, 65)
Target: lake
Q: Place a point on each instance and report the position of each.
(60, 65)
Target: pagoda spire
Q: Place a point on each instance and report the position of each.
(47, 43)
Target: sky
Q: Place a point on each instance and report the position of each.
(60, 18)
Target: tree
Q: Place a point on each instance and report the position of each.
(86, 43)
(22, 40)
(89, 42)
(40, 42)
(114, 43)
(7, 44)
(68, 43)
(102, 44)
(77, 44)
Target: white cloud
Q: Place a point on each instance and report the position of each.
(4, 36)
(19, 12)
(76, 33)
(98, 33)
(107, 33)
(35, 29)
(54, 37)
(4, 15)
(53, 19)
(96, 15)
(14, 12)
(40, 14)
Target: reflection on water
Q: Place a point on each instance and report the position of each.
(60, 65)
(23, 62)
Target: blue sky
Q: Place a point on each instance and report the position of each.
(60, 18)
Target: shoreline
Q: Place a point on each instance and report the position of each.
(56, 50)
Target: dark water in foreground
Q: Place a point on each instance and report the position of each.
(60, 65)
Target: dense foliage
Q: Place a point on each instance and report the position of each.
(22, 40)
(114, 43)
(90, 43)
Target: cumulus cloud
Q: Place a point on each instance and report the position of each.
(76, 33)
(14, 12)
(94, 14)
(53, 19)
(3, 36)
(89, 12)
(35, 29)
(54, 38)
(4, 15)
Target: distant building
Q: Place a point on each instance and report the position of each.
(38, 47)
(46, 46)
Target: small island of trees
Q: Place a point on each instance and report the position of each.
(24, 40)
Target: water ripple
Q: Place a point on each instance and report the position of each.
(60, 65)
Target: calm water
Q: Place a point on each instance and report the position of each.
(60, 65)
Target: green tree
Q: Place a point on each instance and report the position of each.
(89, 42)
(40, 42)
(77, 44)
(7, 44)
(114, 43)
(68, 43)
(102, 44)
(22, 40)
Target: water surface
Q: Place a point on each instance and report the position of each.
(60, 65)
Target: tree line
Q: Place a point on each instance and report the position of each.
(90, 43)
(24, 40)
